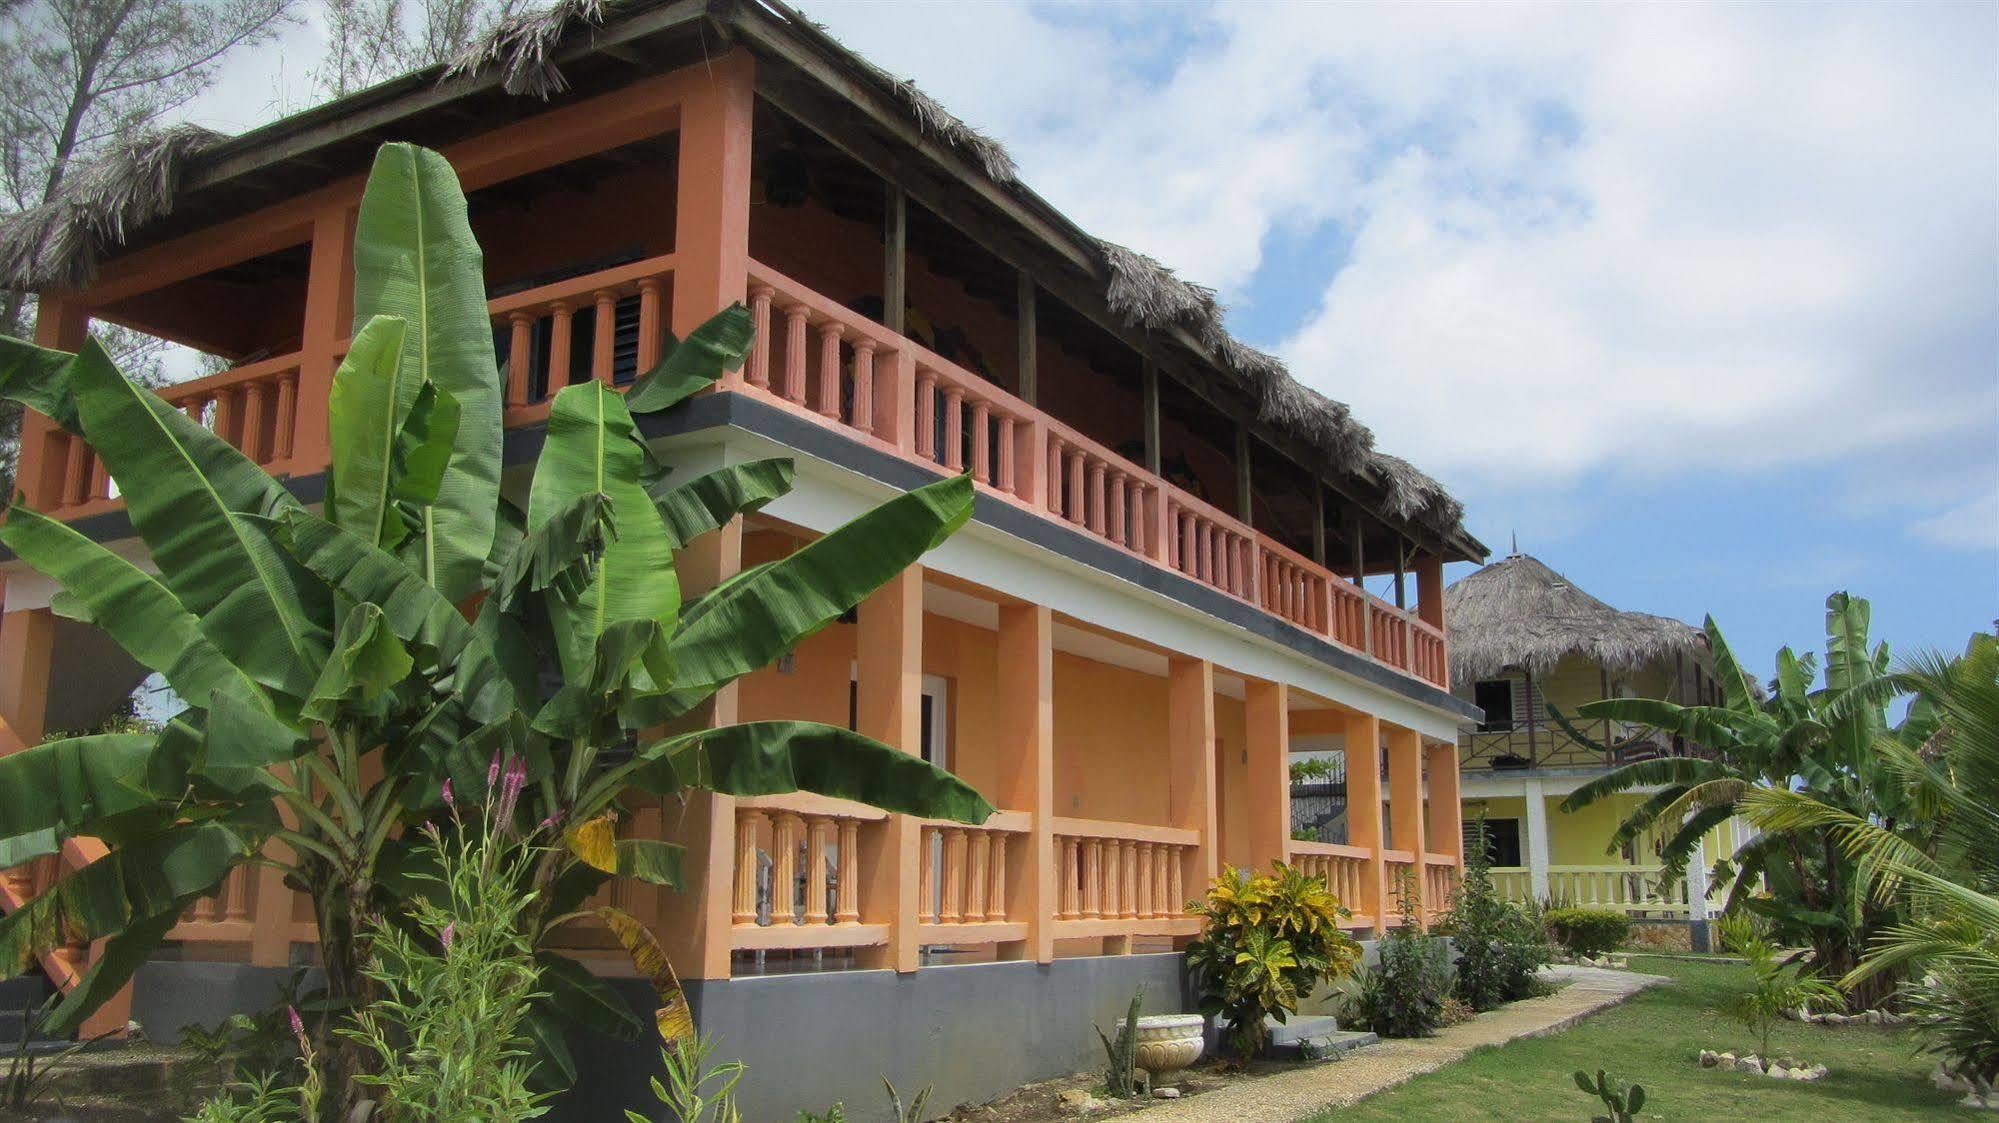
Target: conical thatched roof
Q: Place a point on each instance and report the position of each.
(1517, 612)
(59, 244)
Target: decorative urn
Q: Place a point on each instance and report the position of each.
(1168, 1043)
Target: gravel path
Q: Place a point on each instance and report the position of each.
(1294, 1095)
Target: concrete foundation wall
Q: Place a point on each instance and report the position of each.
(971, 1031)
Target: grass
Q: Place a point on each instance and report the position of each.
(1653, 1039)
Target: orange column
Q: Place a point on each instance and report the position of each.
(712, 212)
(329, 318)
(1445, 833)
(1405, 808)
(1026, 780)
(1190, 750)
(695, 922)
(888, 706)
(1363, 751)
(1267, 720)
(1430, 590)
(61, 323)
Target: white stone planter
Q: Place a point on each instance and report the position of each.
(1168, 1043)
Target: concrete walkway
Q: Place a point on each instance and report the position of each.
(1294, 1095)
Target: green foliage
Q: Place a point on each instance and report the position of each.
(1588, 932)
(835, 1114)
(1817, 743)
(1266, 942)
(1500, 945)
(695, 1091)
(343, 672)
(456, 975)
(913, 1113)
(1404, 995)
(1309, 769)
(1120, 1078)
(1620, 1104)
(245, 1049)
(1778, 985)
(255, 1099)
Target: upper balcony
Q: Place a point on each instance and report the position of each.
(905, 304)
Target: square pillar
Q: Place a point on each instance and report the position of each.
(27, 640)
(1268, 724)
(889, 708)
(62, 323)
(1537, 840)
(1190, 755)
(1027, 768)
(711, 237)
(1445, 834)
(1363, 749)
(1405, 810)
(1430, 589)
(329, 316)
(695, 923)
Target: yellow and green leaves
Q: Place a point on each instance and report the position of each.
(415, 258)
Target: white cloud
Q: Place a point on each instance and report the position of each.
(1579, 239)
(1971, 525)
(1582, 238)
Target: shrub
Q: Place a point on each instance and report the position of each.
(1266, 943)
(697, 1092)
(1779, 985)
(1404, 996)
(1588, 932)
(1500, 944)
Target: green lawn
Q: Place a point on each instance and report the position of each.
(1653, 1040)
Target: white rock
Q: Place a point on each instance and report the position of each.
(1818, 1071)
(1777, 1071)
(1166, 1093)
(1709, 1058)
(1727, 1060)
(1080, 1101)
(1750, 1063)
(1873, 1017)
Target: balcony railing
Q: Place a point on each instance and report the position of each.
(826, 362)
(1639, 890)
(1551, 746)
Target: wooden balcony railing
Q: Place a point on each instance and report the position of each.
(825, 361)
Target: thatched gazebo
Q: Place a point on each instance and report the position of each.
(1518, 614)
(1514, 622)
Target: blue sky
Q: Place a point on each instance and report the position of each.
(1701, 302)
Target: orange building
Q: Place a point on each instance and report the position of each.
(1155, 606)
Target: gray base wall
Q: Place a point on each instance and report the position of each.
(971, 1031)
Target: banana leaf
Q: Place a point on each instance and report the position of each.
(777, 757)
(38, 378)
(692, 364)
(592, 448)
(562, 553)
(440, 638)
(707, 501)
(364, 419)
(116, 961)
(183, 487)
(132, 607)
(746, 624)
(579, 996)
(415, 257)
(64, 787)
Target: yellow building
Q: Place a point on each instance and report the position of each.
(1525, 641)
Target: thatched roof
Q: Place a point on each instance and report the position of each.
(1518, 613)
(131, 183)
(60, 244)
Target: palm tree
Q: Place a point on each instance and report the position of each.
(1945, 866)
(1792, 735)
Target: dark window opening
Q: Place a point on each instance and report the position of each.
(1495, 697)
(1502, 840)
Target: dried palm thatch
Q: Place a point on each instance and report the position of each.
(1517, 612)
(523, 47)
(59, 242)
(1411, 494)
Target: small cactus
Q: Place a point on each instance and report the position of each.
(1121, 1079)
(1621, 1104)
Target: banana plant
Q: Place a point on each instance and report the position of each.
(352, 670)
(1791, 736)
